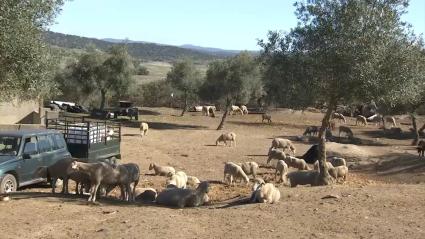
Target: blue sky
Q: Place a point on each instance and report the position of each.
(227, 24)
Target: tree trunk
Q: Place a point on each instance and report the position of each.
(102, 99)
(185, 105)
(324, 178)
(415, 129)
(221, 125)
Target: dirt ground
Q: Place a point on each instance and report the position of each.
(383, 197)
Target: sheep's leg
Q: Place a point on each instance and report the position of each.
(92, 192)
(95, 191)
(133, 196)
(53, 184)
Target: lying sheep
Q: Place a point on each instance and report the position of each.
(339, 116)
(361, 119)
(193, 181)
(161, 170)
(391, 120)
(234, 171)
(267, 117)
(346, 130)
(264, 192)
(227, 137)
(339, 172)
(337, 161)
(177, 197)
(282, 143)
(178, 179)
(311, 130)
(282, 170)
(244, 109)
(144, 127)
(421, 148)
(145, 194)
(250, 168)
(304, 177)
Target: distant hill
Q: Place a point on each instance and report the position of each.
(211, 50)
(141, 50)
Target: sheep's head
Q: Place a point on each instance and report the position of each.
(203, 187)
(258, 183)
(151, 166)
(74, 165)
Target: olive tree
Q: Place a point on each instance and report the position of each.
(232, 80)
(341, 50)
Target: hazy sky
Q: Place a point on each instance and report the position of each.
(227, 24)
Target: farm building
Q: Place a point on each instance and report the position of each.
(20, 112)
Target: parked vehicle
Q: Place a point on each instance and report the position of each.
(22, 152)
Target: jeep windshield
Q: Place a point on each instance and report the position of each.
(9, 145)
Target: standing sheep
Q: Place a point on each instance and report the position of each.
(346, 130)
(234, 171)
(244, 109)
(421, 148)
(226, 137)
(300, 164)
(339, 172)
(250, 168)
(161, 170)
(337, 161)
(361, 119)
(144, 127)
(266, 116)
(282, 143)
(339, 116)
(264, 192)
(311, 130)
(234, 109)
(391, 120)
(316, 165)
(282, 169)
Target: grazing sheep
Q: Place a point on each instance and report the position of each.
(282, 169)
(303, 177)
(146, 194)
(227, 137)
(161, 170)
(244, 109)
(250, 168)
(178, 179)
(266, 116)
(361, 119)
(300, 164)
(234, 171)
(391, 120)
(339, 116)
(311, 130)
(421, 148)
(208, 110)
(178, 197)
(234, 109)
(339, 172)
(282, 143)
(211, 111)
(345, 130)
(276, 154)
(316, 165)
(193, 181)
(144, 127)
(264, 193)
(337, 161)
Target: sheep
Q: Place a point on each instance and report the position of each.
(134, 176)
(234, 171)
(339, 172)
(207, 110)
(266, 116)
(276, 154)
(250, 168)
(161, 170)
(234, 109)
(390, 119)
(193, 181)
(226, 137)
(144, 127)
(316, 165)
(339, 116)
(345, 130)
(211, 111)
(264, 193)
(303, 178)
(282, 169)
(361, 119)
(106, 174)
(294, 162)
(421, 148)
(244, 109)
(282, 143)
(311, 130)
(81, 180)
(337, 161)
(178, 179)
(180, 198)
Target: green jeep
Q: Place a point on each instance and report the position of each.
(22, 152)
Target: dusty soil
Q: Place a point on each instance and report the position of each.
(383, 197)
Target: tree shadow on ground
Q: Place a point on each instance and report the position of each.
(260, 124)
(341, 140)
(148, 112)
(131, 135)
(389, 135)
(168, 126)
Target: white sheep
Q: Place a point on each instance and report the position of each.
(316, 165)
(250, 168)
(282, 169)
(144, 127)
(234, 171)
(234, 109)
(226, 137)
(193, 181)
(264, 192)
(178, 179)
(339, 172)
(276, 154)
(161, 170)
(361, 119)
(244, 109)
(303, 177)
(282, 143)
(390, 119)
(339, 116)
(294, 162)
(337, 161)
